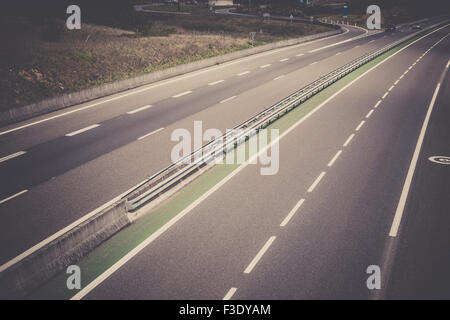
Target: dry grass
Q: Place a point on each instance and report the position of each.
(32, 69)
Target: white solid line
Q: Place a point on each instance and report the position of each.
(385, 95)
(265, 66)
(83, 292)
(410, 67)
(404, 73)
(448, 64)
(182, 94)
(402, 76)
(332, 161)
(74, 133)
(12, 156)
(259, 255)
(360, 125)
(149, 134)
(316, 182)
(215, 82)
(396, 82)
(412, 167)
(348, 140)
(291, 213)
(242, 73)
(139, 109)
(227, 99)
(313, 63)
(285, 59)
(13, 196)
(390, 89)
(229, 294)
(300, 54)
(377, 104)
(279, 77)
(369, 113)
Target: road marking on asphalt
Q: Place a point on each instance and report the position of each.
(377, 104)
(74, 133)
(139, 109)
(182, 94)
(313, 63)
(402, 76)
(285, 59)
(265, 66)
(390, 89)
(356, 47)
(410, 67)
(337, 43)
(448, 64)
(11, 156)
(371, 41)
(117, 265)
(242, 73)
(291, 213)
(215, 82)
(333, 160)
(300, 54)
(228, 99)
(369, 113)
(338, 53)
(259, 255)
(279, 77)
(229, 294)
(412, 167)
(151, 133)
(316, 182)
(404, 73)
(360, 125)
(348, 140)
(385, 95)
(13, 196)
(396, 82)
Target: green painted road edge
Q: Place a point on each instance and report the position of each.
(112, 250)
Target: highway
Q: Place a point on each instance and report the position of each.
(332, 210)
(310, 231)
(55, 171)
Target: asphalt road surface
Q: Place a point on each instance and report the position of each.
(58, 167)
(313, 229)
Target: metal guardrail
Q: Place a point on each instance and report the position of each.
(183, 168)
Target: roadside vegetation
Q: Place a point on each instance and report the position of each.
(40, 59)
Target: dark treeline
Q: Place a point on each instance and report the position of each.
(42, 9)
(106, 11)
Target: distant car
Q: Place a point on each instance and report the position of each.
(417, 26)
